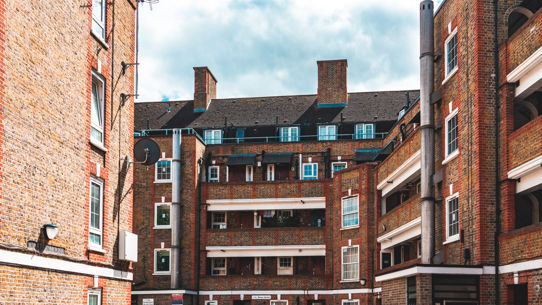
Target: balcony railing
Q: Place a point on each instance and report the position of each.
(402, 152)
(525, 143)
(256, 282)
(524, 42)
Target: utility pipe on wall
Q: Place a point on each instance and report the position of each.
(427, 131)
(175, 215)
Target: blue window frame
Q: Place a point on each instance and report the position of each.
(310, 171)
(289, 134)
(365, 131)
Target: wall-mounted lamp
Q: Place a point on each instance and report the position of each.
(363, 282)
(51, 230)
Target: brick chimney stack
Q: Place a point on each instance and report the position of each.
(332, 83)
(204, 88)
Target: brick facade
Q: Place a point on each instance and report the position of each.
(48, 54)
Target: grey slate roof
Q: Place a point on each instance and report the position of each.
(275, 110)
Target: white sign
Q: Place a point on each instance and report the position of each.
(148, 301)
(261, 297)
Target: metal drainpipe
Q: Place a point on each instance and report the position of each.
(427, 131)
(176, 209)
(497, 159)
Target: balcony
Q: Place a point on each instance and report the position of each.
(272, 189)
(524, 42)
(399, 161)
(525, 143)
(266, 237)
(259, 282)
(400, 215)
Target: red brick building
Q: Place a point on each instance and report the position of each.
(65, 151)
(316, 199)
(264, 181)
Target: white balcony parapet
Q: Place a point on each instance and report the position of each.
(262, 204)
(528, 175)
(266, 251)
(528, 74)
(405, 232)
(409, 169)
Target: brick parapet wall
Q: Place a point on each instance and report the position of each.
(524, 42)
(525, 143)
(260, 237)
(402, 152)
(263, 282)
(272, 189)
(399, 216)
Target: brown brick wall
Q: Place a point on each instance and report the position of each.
(524, 42)
(526, 143)
(258, 237)
(394, 292)
(399, 216)
(402, 152)
(332, 82)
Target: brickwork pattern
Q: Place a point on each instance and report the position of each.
(332, 82)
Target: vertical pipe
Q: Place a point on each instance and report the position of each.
(427, 131)
(497, 152)
(176, 209)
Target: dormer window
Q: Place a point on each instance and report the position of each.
(327, 133)
(213, 136)
(289, 134)
(365, 131)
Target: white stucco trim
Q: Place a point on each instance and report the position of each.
(41, 262)
(529, 75)
(520, 267)
(529, 173)
(408, 169)
(405, 232)
(435, 270)
(251, 204)
(266, 251)
(257, 292)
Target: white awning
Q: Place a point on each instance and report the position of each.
(266, 251)
(261, 204)
(403, 233)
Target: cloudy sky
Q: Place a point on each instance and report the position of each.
(270, 47)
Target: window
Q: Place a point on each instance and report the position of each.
(350, 263)
(162, 264)
(452, 140)
(350, 302)
(162, 171)
(214, 173)
(365, 131)
(285, 266)
(450, 54)
(211, 302)
(218, 220)
(97, 110)
(240, 135)
(218, 266)
(161, 215)
(289, 134)
(257, 265)
(249, 173)
(98, 18)
(310, 171)
(452, 218)
(257, 220)
(284, 213)
(94, 297)
(385, 259)
(350, 212)
(270, 172)
(327, 133)
(213, 136)
(337, 166)
(96, 214)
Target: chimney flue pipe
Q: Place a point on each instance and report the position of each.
(427, 131)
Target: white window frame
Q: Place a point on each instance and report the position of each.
(315, 176)
(215, 179)
(351, 263)
(211, 302)
(222, 224)
(156, 225)
(278, 302)
(97, 231)
(156, 180)
(350, 302)
(257, 265)
(336, 163)
(156, 272)
(285, 270)
(249, 173)
(100, 83)
(361, 131)
(343, 199)
(290, 136)
(327, 132)
(219, 269)
(447, 154)
(212, 136)
(455, 237)
(270, 172)
(448, 74)
(94, 292)
(98, 20)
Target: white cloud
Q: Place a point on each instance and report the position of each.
(264, 47)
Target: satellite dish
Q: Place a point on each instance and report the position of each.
(146, 152)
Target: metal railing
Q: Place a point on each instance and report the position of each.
(263, 139)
